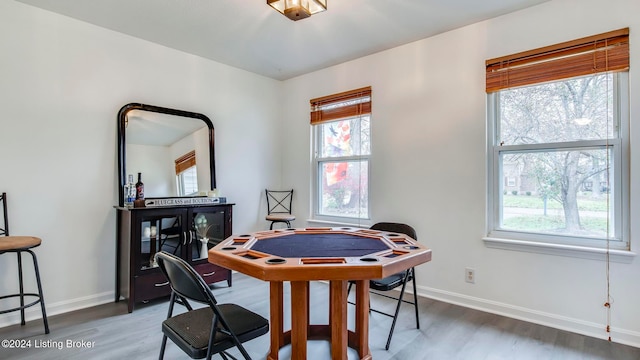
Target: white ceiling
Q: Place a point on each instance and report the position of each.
(158, 129)
(250, 35)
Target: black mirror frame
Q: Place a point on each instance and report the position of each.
(122, 118)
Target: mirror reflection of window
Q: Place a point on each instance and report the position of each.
(186, 174)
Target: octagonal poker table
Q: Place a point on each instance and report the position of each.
(336, 255)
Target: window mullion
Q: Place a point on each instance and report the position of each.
(343, 158)
(572, 145)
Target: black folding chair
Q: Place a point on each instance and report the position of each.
(209, 330)
(395, 280)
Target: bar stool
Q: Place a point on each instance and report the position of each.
(18, 245)
(279, 207)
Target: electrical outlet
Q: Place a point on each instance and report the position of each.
(470, 275)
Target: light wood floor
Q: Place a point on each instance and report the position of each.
(447, 332)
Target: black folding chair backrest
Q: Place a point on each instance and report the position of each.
(279, 201)
(4, 229)
(396, 227)
(183, 279)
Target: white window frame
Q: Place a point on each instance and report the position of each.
(317, 178)
(181, 183)
(557, 244)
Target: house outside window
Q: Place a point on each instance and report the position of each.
(342, 150)
(551, 140)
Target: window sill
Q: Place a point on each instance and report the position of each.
(338, 224)
(615, 255)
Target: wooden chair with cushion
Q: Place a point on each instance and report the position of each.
(395, 280)
(279, 207)
(209, 330)
(19, 245)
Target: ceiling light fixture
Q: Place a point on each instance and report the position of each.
(298, 9)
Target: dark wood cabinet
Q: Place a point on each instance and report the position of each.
(186, 231)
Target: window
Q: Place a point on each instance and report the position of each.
(186, 174)
(342, 149)
(558, 143)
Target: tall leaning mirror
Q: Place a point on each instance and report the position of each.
(172, 149)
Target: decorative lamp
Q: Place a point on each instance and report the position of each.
(298, 9)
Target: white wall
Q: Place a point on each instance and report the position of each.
(429, 165)
(152, 162)
(62, 84)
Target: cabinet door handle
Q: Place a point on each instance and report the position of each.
(161, 284)
(209, 274)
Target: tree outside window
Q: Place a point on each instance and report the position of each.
(554, 141)
(344, 167)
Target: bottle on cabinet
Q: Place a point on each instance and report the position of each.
(129, 192)
(139, 188)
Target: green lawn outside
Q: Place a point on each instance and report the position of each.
(535, 202)
(553, 223)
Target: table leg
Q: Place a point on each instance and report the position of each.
(299, 319)
(307, 298)
(362, 318)
(277, 319)
(338, 316)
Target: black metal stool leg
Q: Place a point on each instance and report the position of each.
(44, 312)
(20, 282)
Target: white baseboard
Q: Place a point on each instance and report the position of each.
(596, 330)
(34, 312)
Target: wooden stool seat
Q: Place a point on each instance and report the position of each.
(281, 217)
(18, 242)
